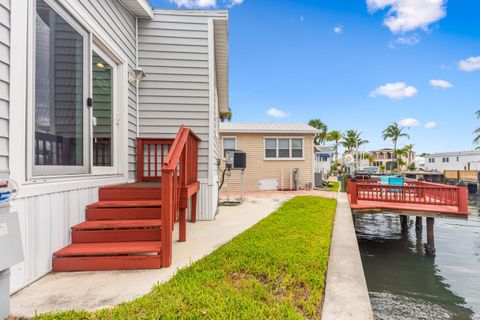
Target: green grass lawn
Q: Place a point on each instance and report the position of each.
(334, 187)
(275, 270)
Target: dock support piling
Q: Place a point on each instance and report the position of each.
(418, 223)
(430, 245)
(404, 222)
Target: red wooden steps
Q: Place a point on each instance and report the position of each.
(122, 231)
(108, 256)
(105, 213)
(131, 191)
(117, 230)
(118, 224)
(127, 204)
(109, 248)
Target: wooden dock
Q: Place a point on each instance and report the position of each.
(413, 198)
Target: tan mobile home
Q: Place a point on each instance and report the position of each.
(275, 153)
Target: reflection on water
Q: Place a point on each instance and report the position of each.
(406, 284)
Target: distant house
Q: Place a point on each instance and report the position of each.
(324, 157)
(459, 160)
(386, 158)
(279, 155)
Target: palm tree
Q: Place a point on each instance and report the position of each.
(335, 136)
(352, 140)
(318, 124)
(226, 115)
(408, 150)
(370, 159)
(477, 131)
(394, 132)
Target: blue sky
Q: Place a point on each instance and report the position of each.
(359, 64)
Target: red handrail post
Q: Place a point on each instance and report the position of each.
(167, 223)
(193, 210)
(353, 192)
(182, 237)
(462, 199)
(139, 159)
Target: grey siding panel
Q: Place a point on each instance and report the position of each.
(173, 51)
(4, 81)
(119, 24)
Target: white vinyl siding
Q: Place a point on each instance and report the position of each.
(4, 81)
(173, 52)
(119, 24)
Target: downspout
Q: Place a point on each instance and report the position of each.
(137, 89)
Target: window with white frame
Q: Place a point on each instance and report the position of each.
(229, 144)
(68, 67)
(283, 148)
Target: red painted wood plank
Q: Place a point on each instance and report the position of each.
(109, 248)
(123, 194)
(123, 213)
(106, 263)
(118, 224)
(123, 235)
(126, 204)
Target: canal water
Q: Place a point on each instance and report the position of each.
(404, 283)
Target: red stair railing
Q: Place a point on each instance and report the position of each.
(179, 176)
(151, 154)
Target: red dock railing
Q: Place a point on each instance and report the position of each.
(412, 192)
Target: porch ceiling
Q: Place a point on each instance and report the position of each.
(221, 62)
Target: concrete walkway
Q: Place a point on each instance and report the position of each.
(346, 294)
(95, 290)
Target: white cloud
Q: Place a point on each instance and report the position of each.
(192, 4)
(443, 84)
(302, 18)
(396, 90)
(338, 29)
(408, 41)
(232, 3)
(195, 3)
(470, 64)
(277, 113)
(409, 15)
(409, 122)
(431, 125)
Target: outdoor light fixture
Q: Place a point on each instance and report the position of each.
(136, 76)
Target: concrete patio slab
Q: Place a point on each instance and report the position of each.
(95, 290)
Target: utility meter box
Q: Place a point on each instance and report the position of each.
(11, 251)
(236, 160)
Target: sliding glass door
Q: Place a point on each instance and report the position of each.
(104, 73)
(61, 78)
(76, 91)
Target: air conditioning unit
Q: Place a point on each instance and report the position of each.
(236, 160)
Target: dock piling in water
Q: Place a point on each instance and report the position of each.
(430, 245)
(418, 223)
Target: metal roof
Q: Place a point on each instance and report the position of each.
(456, 153)
(267, 127)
